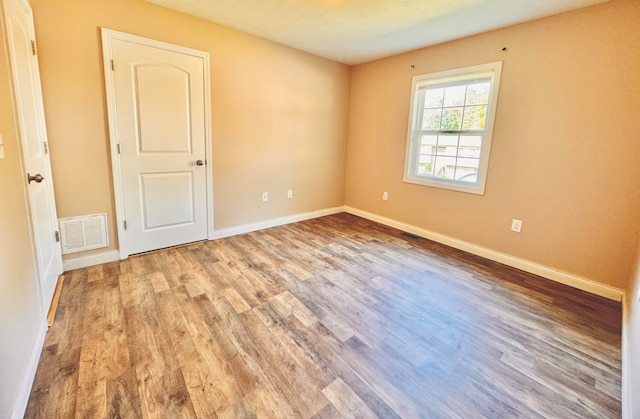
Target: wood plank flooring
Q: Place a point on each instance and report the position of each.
(336, 317)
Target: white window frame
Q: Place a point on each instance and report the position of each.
(418, 87)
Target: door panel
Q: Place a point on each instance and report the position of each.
(170, 104)
(167, 200)
(33, 137)
(160, 113)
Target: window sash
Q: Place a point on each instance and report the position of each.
(417, 154)
(455, 131)
(454, 82)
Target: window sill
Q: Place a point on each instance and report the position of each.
(475, 189)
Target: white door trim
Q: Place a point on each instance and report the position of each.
(107, 36)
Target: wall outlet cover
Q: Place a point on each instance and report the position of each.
(516, 225)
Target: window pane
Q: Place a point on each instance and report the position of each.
(445, 167)
(451, 118)
(429, 140)
(470, 141)
(447, 151)
(427, 149)
(448, 140)
(468, 164)
(428, 144)
(431, 119)
(473, 152)
(454, 96)
(447, 145)
(425, 158)
(478, 94)
(465, 176)
(433, 98)
(474, 117)
(425, 165)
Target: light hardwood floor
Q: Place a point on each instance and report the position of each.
(334, 317)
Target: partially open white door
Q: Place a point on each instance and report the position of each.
(33, 137)
(158, 115)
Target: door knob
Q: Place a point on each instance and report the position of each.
(37, 178)
(200, 163)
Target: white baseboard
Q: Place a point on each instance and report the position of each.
(24, 391)
(275, 222)
(575, 281)
(96, 259)
(626, 359)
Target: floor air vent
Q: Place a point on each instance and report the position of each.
(83, 233)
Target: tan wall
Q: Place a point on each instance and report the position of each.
(20, 309)
(566, 145)
(279, 116)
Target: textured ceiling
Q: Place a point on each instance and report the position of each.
(356, 31)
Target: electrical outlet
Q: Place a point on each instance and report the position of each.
(265, 196)
(289, 193)
(385, 196)
(516, 225)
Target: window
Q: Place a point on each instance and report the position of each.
(451, 122)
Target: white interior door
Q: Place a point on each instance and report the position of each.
(33, 136)
(159, 119)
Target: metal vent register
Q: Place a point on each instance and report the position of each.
(83, 233)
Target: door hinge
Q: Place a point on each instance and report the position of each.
(113, 65)
(34, 49)
(46, 147)
(125, 224)
(57, 237)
